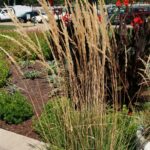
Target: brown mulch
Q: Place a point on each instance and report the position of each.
(37, 91)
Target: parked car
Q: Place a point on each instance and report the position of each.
(17, 10)
(28, 16)
(142, 11)
(39, 18)
(4, 16)
(57, 11)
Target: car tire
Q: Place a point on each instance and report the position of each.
(21, 20)
(39, 21)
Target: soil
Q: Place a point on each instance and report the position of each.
(37, 91)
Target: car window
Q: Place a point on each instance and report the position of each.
(43, 13)
(35, 13)
(25, 14)
(146, 9)
(5, 11)
(31, 13)
(141, 9)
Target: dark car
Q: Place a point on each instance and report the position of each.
(130, 14)
(28, 16)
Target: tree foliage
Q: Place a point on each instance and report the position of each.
(18, 2)
(58, 2)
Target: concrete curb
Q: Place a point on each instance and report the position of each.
(13, 141)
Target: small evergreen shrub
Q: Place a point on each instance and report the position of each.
(14, 108)
(4, 72)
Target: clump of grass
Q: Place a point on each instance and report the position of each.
(65, 128)
(83, 60)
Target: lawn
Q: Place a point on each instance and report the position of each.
(7, 27)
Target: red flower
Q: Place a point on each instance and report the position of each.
(66, 18)
(126, 2)
(137, 20)
(130, 113)
(99, 18)
(118, 3)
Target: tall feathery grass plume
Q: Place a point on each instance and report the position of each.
(86, 53)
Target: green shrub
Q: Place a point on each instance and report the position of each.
(4, 72)
(45, 49)
(67, 128)
(14, 108)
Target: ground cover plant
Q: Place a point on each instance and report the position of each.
(32, 74)
(100, 75)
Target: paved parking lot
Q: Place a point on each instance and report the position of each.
(40, 26)
(27, 26)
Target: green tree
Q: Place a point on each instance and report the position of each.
(27, 2)
(7, 2)
(58, 2)
(110, 1)
(18, 2)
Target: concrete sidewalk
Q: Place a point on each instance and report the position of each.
(13, 141)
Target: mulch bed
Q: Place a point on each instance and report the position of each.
(37, 91)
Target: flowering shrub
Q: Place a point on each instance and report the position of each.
(118, 3)
(137, 21)
(130, 49)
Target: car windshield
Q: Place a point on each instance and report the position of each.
(28, 13)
